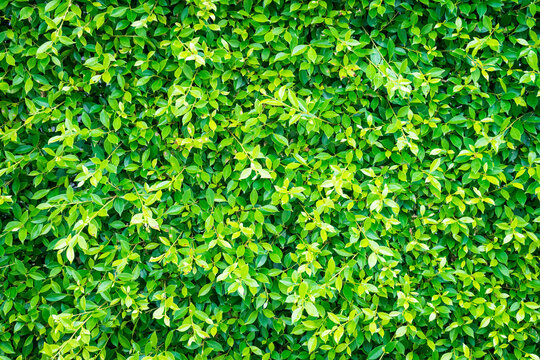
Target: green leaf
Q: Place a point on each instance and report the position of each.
(40, 194)
(260, 18)
(119, 12)
(26, 12)
(299, 49)
(338, 334)
(281, 139)
(312, 54)
(532, 59)
(245, 173)
(401, 331)
(311, 309)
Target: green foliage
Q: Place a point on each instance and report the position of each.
(271, 179)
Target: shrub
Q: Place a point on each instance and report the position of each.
(269, 179)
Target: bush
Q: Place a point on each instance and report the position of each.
(269, 179)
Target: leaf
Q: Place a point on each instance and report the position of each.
(260, 18)
(338, 334)
(26, 12)
(205, 289)
(6, 347)
(184, 327)
(43, 47)
(515, 134)
(311, 309)
(158, 313)
(281, 139)
(401, 331)
(312, 344)
(532, 59)
(370, 72)
(253, 197)
(435, 165)
(210, 196)
(298, 50)
(312, 55)
(51, 5)
(520, 315)
(485, 322)
(372, 260)
(375, 353)
(330, 268)
(296, 315)
(142, 81)
(446, 356)
(40, 194)
(119, 12)
(245, 173)
(131, 197)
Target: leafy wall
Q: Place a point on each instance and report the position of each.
(269, 179)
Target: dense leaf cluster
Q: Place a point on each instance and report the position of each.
(219, 179)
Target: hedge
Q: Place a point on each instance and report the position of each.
(219, 179)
